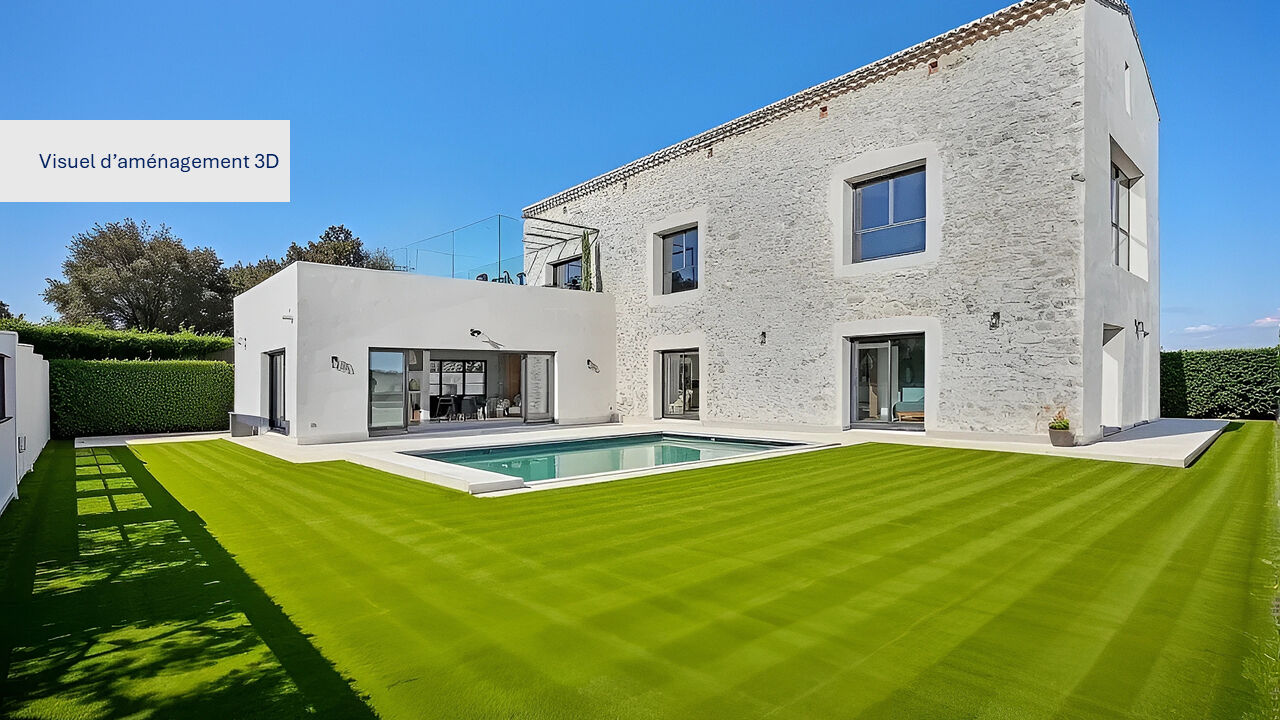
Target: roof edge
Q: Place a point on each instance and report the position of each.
(996, 23)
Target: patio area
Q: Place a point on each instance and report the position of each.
(1168, 442)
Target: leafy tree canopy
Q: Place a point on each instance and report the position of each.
(336, 246)
(4, 311)
(127, 275)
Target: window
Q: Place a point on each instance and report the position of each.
(680, 261)
(457, 377)
(1121, 190)
(1128, 91)
(680, 384)
(889, 216)
(4, 399)
(568, 274)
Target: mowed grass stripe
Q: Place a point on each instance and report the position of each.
(886, 578)
(966, 584)
(1100, 584)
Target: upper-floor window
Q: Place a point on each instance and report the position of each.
(889, 215)
(568, 274)
(680, 261)
(1121, 191)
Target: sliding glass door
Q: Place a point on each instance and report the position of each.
(887, 381)
(388, 396)
(680, 385)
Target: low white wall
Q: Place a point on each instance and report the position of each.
(25, 414)
(33, 407)
(343, 312)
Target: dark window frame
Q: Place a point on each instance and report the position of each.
(559, 276)
(1121, 221)
(4, 389)
(436, 368)
(688, 258)
(858, 231)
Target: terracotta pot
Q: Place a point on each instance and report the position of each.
(1062, 438)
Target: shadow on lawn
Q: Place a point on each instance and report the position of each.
(119, 602)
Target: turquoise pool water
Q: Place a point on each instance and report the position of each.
(535, 462)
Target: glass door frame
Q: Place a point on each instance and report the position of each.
(860, 344)
(695, 383)
(526, 387)
(898, 382)
(276, 382)
(404, 394)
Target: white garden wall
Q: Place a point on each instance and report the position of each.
(24, 419)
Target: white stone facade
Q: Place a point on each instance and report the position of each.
(1016, 126)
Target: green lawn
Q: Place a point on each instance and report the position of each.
(871, 581)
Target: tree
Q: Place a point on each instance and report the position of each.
(5, 314)
(244, 276)
(127, 275)
(337, 246)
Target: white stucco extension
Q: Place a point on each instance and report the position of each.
(316, 313)
(24, 413)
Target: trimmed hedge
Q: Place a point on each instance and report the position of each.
(1220, 383)
(55, 341)
(118, 397)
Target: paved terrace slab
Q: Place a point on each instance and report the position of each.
(1170, 442)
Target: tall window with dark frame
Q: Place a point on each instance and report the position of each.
(568, 274)
(1121, 188)
(889, 215)
(680, 261)
(4, 399)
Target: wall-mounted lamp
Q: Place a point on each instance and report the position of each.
(763, 337)
(592, 366)
(1140, 328)
(475, 333)
(242, 342)
(994, 322)
(287, 316)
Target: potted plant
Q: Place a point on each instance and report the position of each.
(1060, 431)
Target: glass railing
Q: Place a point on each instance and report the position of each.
(490, 249)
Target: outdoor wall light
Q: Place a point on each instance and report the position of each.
(592, 366)
(994, 322)
(475, 333)
(287, 316)
(1140, 328)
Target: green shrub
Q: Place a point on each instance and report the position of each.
(1220, 383)
(55, 341)
(118, 397)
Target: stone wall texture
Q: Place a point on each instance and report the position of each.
(1007, 117)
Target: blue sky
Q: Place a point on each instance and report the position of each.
(412, 119)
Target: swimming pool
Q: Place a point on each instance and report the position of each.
(537, 462)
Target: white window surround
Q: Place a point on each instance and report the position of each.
(930, 327)
(868, 166)
(665, 343)
(654, 232)
(1139, 251)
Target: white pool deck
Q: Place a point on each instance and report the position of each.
(1168, 442)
